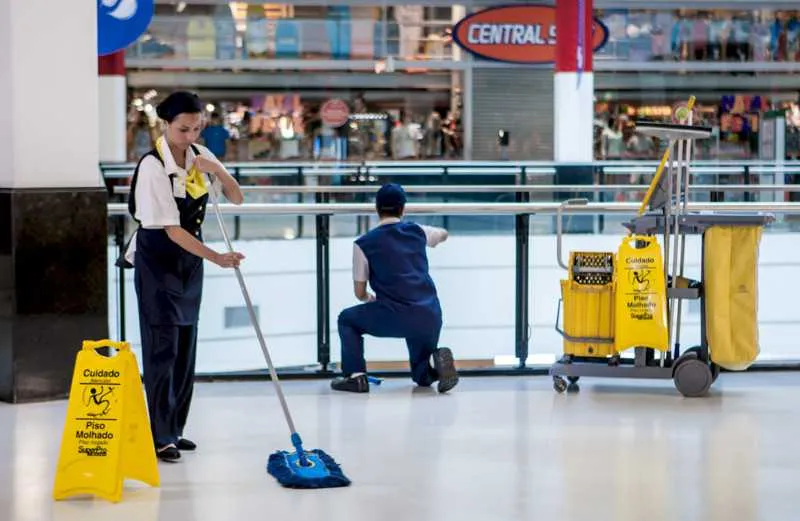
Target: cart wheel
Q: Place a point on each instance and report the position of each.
(715, 370)
(559, 384)
(693, 377)
(573, 379)
(573, 388)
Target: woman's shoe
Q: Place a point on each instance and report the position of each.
(169, 453)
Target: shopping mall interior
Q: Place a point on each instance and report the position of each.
(338, 260)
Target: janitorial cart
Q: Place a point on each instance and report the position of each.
(629, 301)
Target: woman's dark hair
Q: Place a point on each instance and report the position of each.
(178, 103)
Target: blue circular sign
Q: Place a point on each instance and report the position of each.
(121, 22)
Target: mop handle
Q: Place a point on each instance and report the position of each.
(250, 310)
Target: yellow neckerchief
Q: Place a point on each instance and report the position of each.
(195, 184)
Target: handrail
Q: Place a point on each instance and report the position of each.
(449, 163)
(539, 208)
(456, 167)
(363, 189)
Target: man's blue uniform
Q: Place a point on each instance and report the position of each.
(393, 259)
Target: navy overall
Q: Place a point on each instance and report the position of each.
(406, 304)
(169, 287)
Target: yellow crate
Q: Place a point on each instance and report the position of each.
(588, 300)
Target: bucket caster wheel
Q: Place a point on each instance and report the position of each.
(559, 384)
(693, 377)
(573, 386)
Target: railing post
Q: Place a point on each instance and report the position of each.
(119, 240)
(323, 288)
(601, 180)
(237, 225)
(522, 327)
(747, 182)
(300, 198)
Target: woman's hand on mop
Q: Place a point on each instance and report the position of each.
(228, 260)
(207, 165)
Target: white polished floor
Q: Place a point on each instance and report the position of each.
(496, 449)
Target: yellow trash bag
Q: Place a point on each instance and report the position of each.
(730, 274)
(641, 297)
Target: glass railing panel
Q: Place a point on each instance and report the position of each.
(475, 276)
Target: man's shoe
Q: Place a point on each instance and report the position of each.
(352, 384)
(446, 368)
(169, 453)
(184, 444)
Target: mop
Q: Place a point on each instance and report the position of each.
(301, 468)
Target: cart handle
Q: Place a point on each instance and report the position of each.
(578, 339)
(559, 226)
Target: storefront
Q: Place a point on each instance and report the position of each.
(270, 102)
(722, 35)
(292, 126)
(736, 119)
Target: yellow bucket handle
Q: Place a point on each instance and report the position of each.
(91, 345)
(649, 239)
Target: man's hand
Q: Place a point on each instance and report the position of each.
(361, 293)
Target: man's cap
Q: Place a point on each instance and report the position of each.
(391, 196)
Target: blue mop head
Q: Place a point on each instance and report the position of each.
(306, 469)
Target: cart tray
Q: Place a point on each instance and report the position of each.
(696, 223)
(601, 369)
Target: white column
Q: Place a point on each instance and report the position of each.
(573, 117)
(48, 94)
(113, 108)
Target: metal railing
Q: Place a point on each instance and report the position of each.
(600, 181)
(522, 211)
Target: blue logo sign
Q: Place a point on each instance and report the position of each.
(121, 22)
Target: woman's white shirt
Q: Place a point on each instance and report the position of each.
(155, 192)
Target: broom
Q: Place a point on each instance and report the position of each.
(301, 468)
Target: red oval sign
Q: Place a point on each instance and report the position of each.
(516, 34)
(334, 113)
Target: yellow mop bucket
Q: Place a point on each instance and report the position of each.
(588, 300)
(641, 296)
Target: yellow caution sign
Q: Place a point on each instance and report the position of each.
(107, 436)
(641, 296)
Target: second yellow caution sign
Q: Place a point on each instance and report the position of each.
(107, 436)
(641, 296)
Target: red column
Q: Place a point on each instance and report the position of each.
(570, 49)
(111, 64)
(573, 81)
